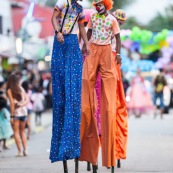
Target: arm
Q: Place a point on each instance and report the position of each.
(89, 34)
(84, 36)
(55, 24)
(26, 100)
(118, 47)
(11, 99)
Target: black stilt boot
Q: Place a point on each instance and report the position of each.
(76, 165)
(118, 163)
(112, 169)
(65, 166)
(94, 168)
(88, 166)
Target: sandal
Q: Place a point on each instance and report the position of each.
(19, 154)
(25, 153)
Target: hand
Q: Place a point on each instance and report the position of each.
(18, 105)
(12, 121)
(118, 59)
(60, 37)
(87, 50)
(83, 49)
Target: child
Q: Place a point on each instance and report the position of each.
(38, 106)
(5, 126)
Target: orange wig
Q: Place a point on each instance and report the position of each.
(108, 4)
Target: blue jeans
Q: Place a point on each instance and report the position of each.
(160, 97)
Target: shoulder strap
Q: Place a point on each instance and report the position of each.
(74, 23)
(64, 16)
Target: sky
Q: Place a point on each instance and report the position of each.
(143, 10)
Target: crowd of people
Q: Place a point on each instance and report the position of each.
(148, 96)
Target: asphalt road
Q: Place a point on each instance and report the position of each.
(150, 149)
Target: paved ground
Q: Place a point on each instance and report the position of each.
(150, 149)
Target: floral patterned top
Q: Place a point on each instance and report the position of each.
(103, 28)
(70, 17)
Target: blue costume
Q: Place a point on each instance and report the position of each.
(66, 69)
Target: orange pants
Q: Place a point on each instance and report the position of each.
(100, 59)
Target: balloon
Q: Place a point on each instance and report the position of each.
(163, 44)
(123, 38)
(127, 44)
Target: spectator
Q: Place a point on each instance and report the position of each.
(159, 84)
(18, 101)
(38, 104)
(5, 126)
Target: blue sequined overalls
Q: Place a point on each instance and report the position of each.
(66, 69)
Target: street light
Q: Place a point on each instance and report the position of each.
(19, 49)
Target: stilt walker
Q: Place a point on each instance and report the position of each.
(66, 69)
(121, 113)
(101, 27)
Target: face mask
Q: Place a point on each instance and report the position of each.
(100, 8)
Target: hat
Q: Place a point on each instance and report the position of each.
(96, 1)
(120, 14)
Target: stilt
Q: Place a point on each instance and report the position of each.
(76, 165)
(65, 166)
(94, 168)
(88, 166)
(118, 163)
(112, 169)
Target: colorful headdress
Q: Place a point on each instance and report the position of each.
(120, 14)
(108, 3)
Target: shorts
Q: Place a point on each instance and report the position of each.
(21, 118)
(29, 111)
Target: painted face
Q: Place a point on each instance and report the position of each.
(100, 8)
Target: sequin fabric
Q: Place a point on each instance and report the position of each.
(66, 69)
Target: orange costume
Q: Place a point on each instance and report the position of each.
(121, 111)
(101, 59)
(121, 118)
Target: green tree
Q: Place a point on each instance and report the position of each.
(130, 23)
(161, 21)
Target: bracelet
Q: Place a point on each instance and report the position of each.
(118, 54)
(11, 116)
(56, 32)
